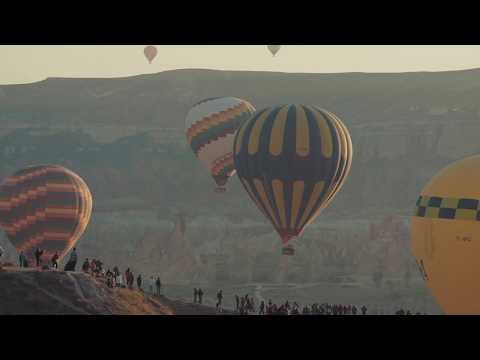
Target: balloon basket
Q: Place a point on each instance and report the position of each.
(288, 250)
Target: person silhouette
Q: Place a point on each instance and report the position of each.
(200, 295)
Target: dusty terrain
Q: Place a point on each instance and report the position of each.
(30, 291)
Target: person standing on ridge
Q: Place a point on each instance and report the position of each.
(151, 283)
(139, 282)
(93, 267)
(128, 276)
(119, 280)
(242, 305)
(22, 259)
(38, 256)
(72, 261)
(109, 276)
(219, 300)
(132, 279)
(86, 266)
(237, 303)
(200, 295)
(262, 308)
(55, 261)
(158, 284)
(99, 267)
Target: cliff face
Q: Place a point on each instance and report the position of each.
(125, 138)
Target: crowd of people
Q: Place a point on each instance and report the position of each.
(95, 268)
(245, 305)
(49, 264)
(408, 312)
(115, 278)
(39, 261)
(320, 309)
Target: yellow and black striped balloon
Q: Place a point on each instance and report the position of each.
(292, 160)
(45, 206)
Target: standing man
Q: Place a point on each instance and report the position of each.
(200, 295)
(22, 259)
(237, 303)
(55, 261)
(86, 266)
(262, 308)
(119, 280)
(72, 262)
(38, 256)
(219, 300)
(158, 283)
(128, 278)
(139, 282)
(195, 295)
(151, 283)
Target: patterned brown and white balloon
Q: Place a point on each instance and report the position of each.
(150, 53)
(46, 207)
(210, 127)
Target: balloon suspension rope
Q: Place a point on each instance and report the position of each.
(285, 259)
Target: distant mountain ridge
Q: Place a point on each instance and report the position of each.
(125, 137)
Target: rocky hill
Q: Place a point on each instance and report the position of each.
(29, 291)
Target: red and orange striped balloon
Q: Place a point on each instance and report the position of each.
(46, 207)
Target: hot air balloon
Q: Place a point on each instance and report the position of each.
(292, 160)
(45, 207)
(210, 127)
(150, 53)
(446, 236)
(274, 49)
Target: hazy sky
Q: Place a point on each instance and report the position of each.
(26, 63)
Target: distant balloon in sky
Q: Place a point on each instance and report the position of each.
(446, 236)
(46, 207)
(150, 53)
(274, 49)
(210, 128)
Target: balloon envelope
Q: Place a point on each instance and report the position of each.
(150, 53)
(292, 160)
(45, 207)
(446, 236)
(274, 49)
(210, 128)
